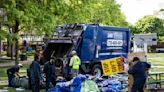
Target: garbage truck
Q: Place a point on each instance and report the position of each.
(92, 42)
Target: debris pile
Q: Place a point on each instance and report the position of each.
(87, 83)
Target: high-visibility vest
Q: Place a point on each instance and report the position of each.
(75, 62)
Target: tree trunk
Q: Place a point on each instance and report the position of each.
(0, 46)
(0, 42)
(16, 43)
(16, 52)
(11, 50)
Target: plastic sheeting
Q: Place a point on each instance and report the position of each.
(89, 86)
(115, 83)
(82, 83)
(20, 82)
(77, 84)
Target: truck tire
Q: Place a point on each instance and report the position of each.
(97, 71)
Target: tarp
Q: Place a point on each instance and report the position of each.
(89, 86)
(78, 84)
(82, 83)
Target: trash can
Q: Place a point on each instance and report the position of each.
(23, 57)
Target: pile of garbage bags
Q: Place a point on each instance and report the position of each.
(23, 82)
(20, 82)
(87, 83)
(114, 83)
(81, 83)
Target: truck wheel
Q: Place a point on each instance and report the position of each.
(97, 71)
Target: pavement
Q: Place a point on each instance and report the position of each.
(11, 62)
(3, 82)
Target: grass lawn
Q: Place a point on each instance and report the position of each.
(156, 59)
(3, 75)
(14, 89)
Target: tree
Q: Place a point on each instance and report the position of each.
(150, 24)
(24, 16)
(133, 28)
(40, 16)
(106, 12)
(161, 10)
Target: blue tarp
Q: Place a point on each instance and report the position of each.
(109, 85)
(105, 85)
(74, 87)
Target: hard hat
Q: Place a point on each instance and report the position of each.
(20, 65)
(73, 52)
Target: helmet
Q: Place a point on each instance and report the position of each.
(73, 52)
(20, 65)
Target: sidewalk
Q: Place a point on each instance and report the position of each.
(3, 82)
(9, 63)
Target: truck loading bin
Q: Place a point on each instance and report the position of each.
(92, 43)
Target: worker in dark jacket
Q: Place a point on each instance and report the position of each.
(35, 74)
(49, 70)
(11, 73)
(139, 75)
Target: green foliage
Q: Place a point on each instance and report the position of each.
(150, 24)
(40, 16)
(106, 12)
(133, 29)
(3, 34)
(161, 10)
(161, 38)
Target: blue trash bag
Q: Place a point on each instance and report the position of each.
(114, 88)
(78, 80)
(77, 88)
(76, 85)
(60, 89)
(109, 89)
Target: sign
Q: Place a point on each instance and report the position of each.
(140, 55)
(112, 42)
(150, 39)
(112, 66)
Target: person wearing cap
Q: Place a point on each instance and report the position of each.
(49, 70)
(139, 75)
(74, 64)
(35, 74)
(11, 72)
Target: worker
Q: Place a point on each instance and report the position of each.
(11, 73)
(49, 70)
(35, 73)
(74, 64)
(139, 75)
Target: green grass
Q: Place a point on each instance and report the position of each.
(156, 59)
(3, 75)
(14, 90)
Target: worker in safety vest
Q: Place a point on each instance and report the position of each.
(74, 64)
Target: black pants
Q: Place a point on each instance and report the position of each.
(10, 77)
(48, 81)
(138, 84)
(36, 86)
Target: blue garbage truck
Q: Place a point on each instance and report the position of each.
(92, 42)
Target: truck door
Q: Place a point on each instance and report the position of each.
(88, 43)
(113, 43)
